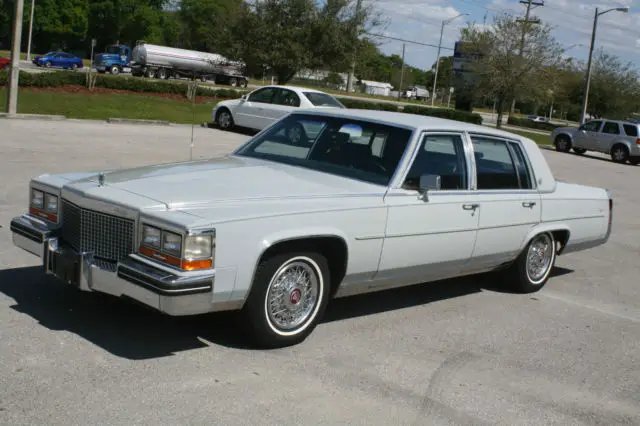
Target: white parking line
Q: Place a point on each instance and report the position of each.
(620, 311)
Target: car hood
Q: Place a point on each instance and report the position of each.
(209, 183)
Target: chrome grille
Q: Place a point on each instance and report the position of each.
(107, 237)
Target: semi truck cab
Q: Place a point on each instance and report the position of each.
(115, 59)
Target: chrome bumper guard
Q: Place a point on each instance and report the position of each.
(167, 292)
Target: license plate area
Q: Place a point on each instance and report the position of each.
(65, 265)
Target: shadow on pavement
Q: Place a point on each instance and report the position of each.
(129, 330)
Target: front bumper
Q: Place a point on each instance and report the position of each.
(133, 277)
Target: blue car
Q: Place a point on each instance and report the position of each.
(58, 59)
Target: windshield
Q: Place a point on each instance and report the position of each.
(322, 99)
(113, 49)
(345, 147)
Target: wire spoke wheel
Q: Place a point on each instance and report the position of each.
(293, 295)
(539, 258)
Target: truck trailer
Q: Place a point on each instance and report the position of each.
(165, 62)
(154, 61)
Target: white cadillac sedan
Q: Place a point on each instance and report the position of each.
(266, 105)
(368, 200)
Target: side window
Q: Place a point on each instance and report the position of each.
(263, 95)
(611, 128)
(592, 126)
(495, 165)
(287, 98)
(441, 155)
(630, 130)
(524, 174)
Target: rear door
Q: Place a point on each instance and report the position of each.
(609, 133)
(284, 102)
(508, 202)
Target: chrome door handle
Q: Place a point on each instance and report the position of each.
(528, 204)
(470, 206)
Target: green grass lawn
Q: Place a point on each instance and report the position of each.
(109, 105)
(538, 138)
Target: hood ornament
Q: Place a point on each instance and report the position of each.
(101, 179)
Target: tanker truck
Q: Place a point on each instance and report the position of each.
(154, 61)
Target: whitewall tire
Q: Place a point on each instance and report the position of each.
(531, 270)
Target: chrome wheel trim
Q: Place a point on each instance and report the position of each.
(618, 154)
(224, 119)
(293, 297)
(540, 256)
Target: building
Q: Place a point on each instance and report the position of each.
(376, 88)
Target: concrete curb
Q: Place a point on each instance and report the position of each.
(132, 121)
(33, 116)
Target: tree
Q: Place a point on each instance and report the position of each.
(289, 35)
(500, 69)
(206, 24)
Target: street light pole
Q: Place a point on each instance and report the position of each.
(14, 74)
(33, 3)
(587, 80)
(435, 75)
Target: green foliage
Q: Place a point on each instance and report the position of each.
(358, 104)
(450, 114)
(133, 84)
(523, 122)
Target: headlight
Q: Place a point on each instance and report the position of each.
(51, 203)
(198, 247)
(151, 236)
(37, 198)
(172, 244)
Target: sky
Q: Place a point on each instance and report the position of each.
(572, 22)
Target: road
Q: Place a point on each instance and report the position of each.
(454, 352)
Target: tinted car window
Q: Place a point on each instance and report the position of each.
(495, 166)
(630, 130)
(610, 127)
(441, 155)
(592, 126)
(322, 99)
(335, 146)
(263, 95)
(287, 98)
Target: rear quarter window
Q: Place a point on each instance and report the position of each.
(630, 130)
(322, 99)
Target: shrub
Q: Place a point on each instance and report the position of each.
(523, 122)
(360, 104)
(450, 114)
(134, 84)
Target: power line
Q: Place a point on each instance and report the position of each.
(407, 41)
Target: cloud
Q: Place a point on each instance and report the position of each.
(572, 21)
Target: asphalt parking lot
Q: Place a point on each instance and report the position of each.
(453, 352)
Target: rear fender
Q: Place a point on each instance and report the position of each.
(548, 227)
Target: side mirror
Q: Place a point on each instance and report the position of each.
(243, 97)
(427, 183)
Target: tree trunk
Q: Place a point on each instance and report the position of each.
(500, 111)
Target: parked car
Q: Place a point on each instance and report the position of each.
(619, 139)
(5, 64)
(266, 105)
(58, 60)
(537, 119)
(276, 229)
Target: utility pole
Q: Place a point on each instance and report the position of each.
(435, 75)
(33, 4)
(14, 74)
(525, 27)
(352, 71)
(401, 72)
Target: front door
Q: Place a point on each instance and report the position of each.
(509, 203)
(430, 239)
(587, 134)
(252, 112)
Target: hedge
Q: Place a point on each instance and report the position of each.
(450, 114)
(134, 84)
(359, 104)
(523, 122)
